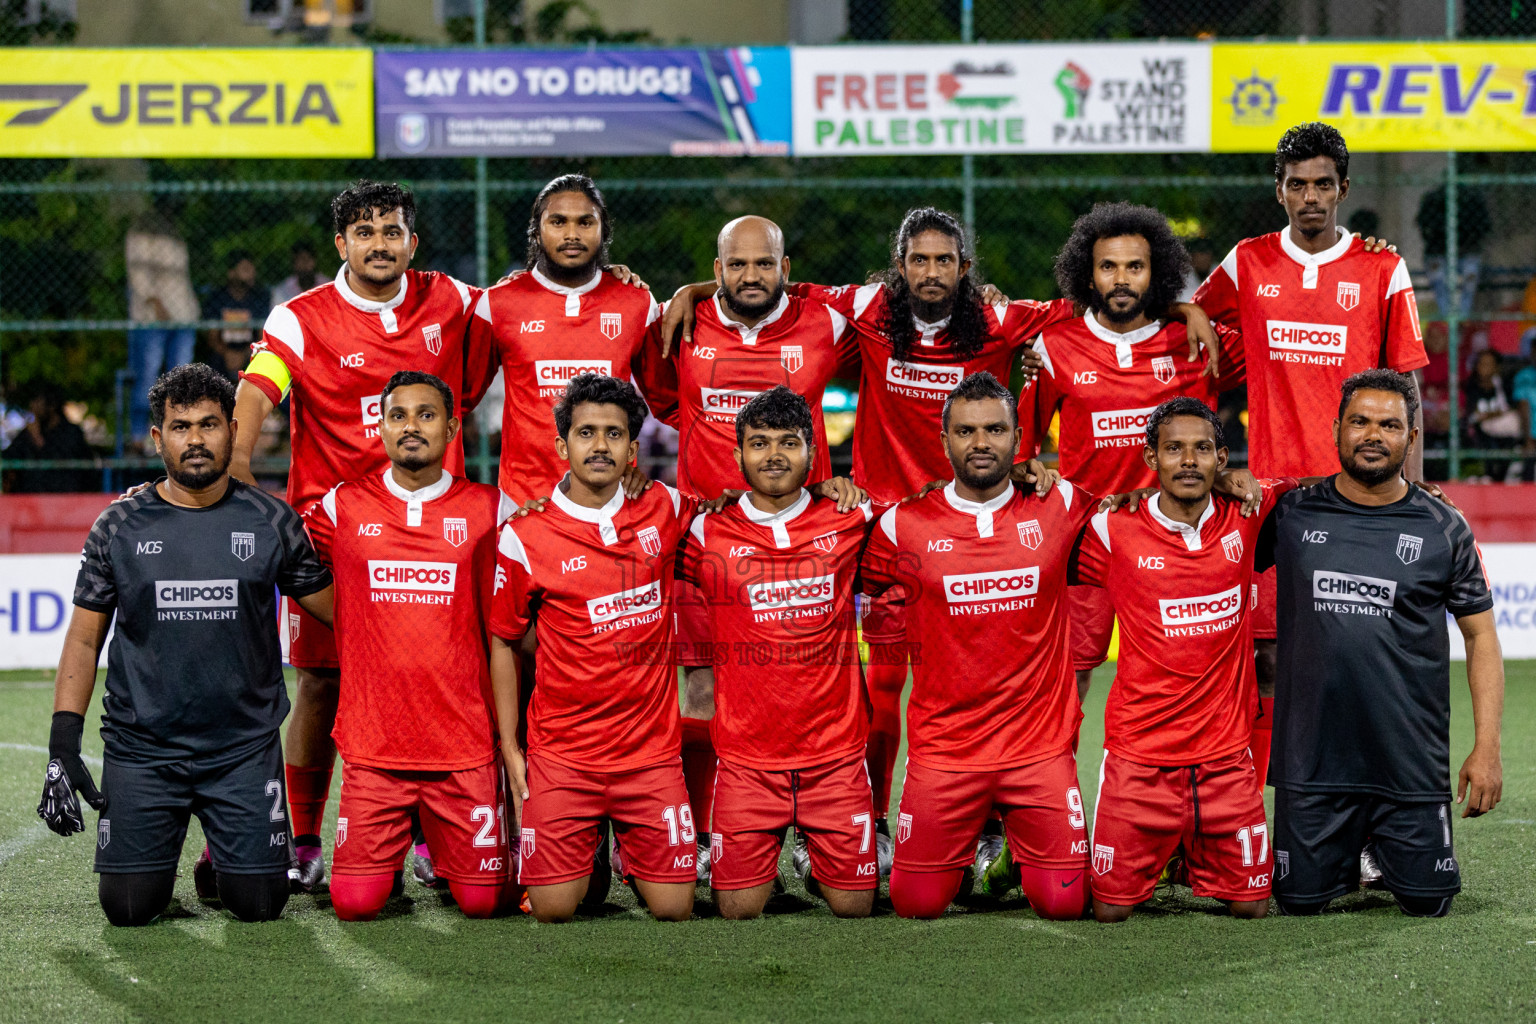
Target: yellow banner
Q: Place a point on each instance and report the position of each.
(186, 102)
(1384, 97)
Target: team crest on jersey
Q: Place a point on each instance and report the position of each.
(432, 336)
(1232, 546)
(1282, 864)
(242, 545)
(1103, 859)
(792, 357)
(1162, 368)
(341, 831)
(611, 324)
(455, 531)
(826, 542)
(103, 833)
(1030, 534)
(716, 847)
(903, 827)
(1409, 548)
(650, 541)
(293, 626)
(1349, 294)
(525, 847)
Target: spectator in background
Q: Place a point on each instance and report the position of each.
(159, 290)
(303, 278)
(1523, 394)
(1202, 257)
(1490, 420)
(242, 304)
(1472, 226)
(49, 435)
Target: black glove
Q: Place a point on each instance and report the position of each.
(66, 774)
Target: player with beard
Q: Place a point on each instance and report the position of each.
(993, 713)
(1368, 566)
(195, 691)
(332, 349)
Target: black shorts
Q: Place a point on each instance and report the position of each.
(1318, 838)
(240, 802)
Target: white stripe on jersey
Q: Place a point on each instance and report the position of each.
(512, 546)
(1101, 527)
(1230, 266)
(863, 296)
(888, 523)
(283, 325)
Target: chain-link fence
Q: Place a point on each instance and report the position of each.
(66, 319)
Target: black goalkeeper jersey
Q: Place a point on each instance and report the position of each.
(1362, 692)
(194, 668)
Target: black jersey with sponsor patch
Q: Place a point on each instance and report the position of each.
(1362, 694)
(194, 668)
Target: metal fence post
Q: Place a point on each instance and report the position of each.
(968, 161)
(1453, 289)
(482, 258)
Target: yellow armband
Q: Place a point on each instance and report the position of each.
(271, 369)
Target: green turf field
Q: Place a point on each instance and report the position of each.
(1180, 961)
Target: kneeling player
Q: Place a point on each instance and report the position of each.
(604, 733)
(195, 689)
(791, 718)
(994, 711)
(415, 550)
(1177, 770)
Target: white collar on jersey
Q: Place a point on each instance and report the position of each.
(1311, 261)
(929, 332)
(1190, 534)
(572, 295)
(415, 499)
(602, 518)
(385, 309)
(1122, 342)
(982, 510)
(778, 522)
(749, 334)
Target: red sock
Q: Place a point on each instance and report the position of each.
(699, 771)
(307, 791)
(924, 894)
(884, 678)
(1259, 742)
(360, 897)
(482, 901)
(1056, 894)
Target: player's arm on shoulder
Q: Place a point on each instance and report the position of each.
(1089, 565)
(678, 316)
(1218, 294)
(1480, 784)
(844, 491)
(301, 574)
(878, 562)
(1035, 474)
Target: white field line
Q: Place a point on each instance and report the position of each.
(28, 748)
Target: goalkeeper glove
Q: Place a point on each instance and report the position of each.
(66, 773)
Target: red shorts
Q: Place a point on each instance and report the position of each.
(695, 636)
(943, 812)
(648, 807)
(1091, 622)
(1214, 810)
(884, 618)
(311, 644)
(463, 814)
(830, 803)
(1264, 616)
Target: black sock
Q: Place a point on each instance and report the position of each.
(1423, 906)
(1296, 908)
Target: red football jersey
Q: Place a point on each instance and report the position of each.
(413, 597)
(798, 345)
(598, 582)
(541, 335)
(1308, 322)
(1184, 690)
(788, 692)
(992, 680)
(341, 349)
(1106, 386)
(896, 448)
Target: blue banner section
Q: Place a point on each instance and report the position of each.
(699, 102)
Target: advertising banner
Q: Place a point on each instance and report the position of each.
(1384, 97)
(1045, 98)
(1512, 573)
(37, 593)
(703, 102)
(269, 102)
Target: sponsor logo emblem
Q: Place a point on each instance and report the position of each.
(1103, 859)
(370, 529)
(341, 831)
(1409, 548)
(1121, 422)
(1030, 534)
(611, 324)
(742, 550)
(197, 594)
(432, 337)
(799, 593)
(1282, 864)
(373, 409)
(390, 575)
(551, 373)
(103, 833)
(1315, 536)
(55, 771)
(1299, 337)
(1268, 291)
(792, 357)
(1445, 864)
(650, 541)
(501, 579)
(1162, 368)
(938, 380)
(903, 827)
(243, 545)
(624, 603)
(1343, 586)
(826, 542)
(1186, 611)
(411, 132)
(455, 531)
(1253, 101)
(1349, 294)
(1074, 84)
(1232, 546)
(149, 547)
(991, 586)
(721, 402)
(525, 846)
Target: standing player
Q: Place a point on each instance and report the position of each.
(195, 689)
(1314, 305)
(604, 737)
(333, 348)
(1368, 566)
(415, 549)
(1177, 771)
(1106, 371)
(993, 712)
(791, 719)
